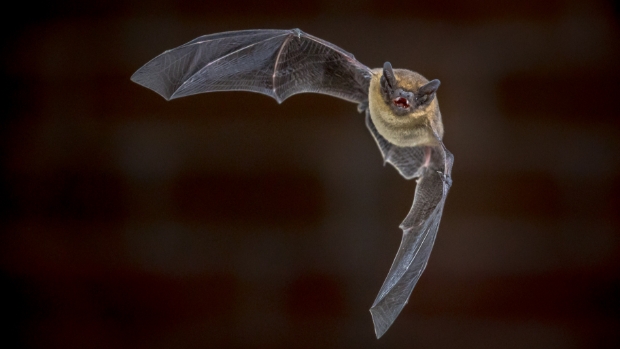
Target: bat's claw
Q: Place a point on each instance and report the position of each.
(297, 32)
(445, 178)
(362, 107)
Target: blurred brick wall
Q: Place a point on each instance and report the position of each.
(224, 220)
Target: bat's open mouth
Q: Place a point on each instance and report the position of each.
(401, 102)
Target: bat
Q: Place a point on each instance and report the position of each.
(400, 106)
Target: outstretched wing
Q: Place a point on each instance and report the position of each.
(419, 227)
(278, 63)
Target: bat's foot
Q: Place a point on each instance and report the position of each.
(362, 107)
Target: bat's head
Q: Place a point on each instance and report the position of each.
(403, 107)
(405, 91)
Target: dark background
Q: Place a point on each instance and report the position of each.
(226, 221)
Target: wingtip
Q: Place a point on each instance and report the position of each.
(379, 322)
(136, 79)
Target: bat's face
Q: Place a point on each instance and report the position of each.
(403, 106)
(406, 92)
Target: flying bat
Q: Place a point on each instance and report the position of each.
(400, 107)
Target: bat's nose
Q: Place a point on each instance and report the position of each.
(405, 94)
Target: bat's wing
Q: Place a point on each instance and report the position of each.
(419, 227)
(278, 63)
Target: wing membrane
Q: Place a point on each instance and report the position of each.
(419, 231)
(277, 63)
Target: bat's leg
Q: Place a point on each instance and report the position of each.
(362, 107)
(427, 156)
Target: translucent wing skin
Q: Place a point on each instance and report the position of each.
(419, 227)
(277, 63)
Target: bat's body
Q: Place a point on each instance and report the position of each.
(402, 114)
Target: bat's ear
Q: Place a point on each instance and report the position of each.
(430, 88)
(426, 93)
(388, 81)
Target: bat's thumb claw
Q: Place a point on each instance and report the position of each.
(362, 107)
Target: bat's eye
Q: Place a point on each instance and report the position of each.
(401, 102)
